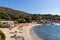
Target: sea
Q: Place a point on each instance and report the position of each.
(47, 32)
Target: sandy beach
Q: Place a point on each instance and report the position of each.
(34, 36)
(25, 32)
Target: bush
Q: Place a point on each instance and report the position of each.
(2, 35)
(1, 24)
(0, 19)
(15, 22)
(28, 19)
(4, 16)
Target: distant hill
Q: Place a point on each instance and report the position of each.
(12, 11)
(12, 14)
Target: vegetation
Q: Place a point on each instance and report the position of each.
(2, 35)
(16, 22)
(4, 16)
(1, 24)
(22, 17)
(28, 19)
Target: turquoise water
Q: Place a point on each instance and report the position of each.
(48, 32)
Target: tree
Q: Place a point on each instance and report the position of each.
(4, 16)
(28, 19)
(1, 24)
(2, 35)
(35, 17)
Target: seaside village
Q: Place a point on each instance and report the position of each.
(14, 31)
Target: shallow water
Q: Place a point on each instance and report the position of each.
(48, 32)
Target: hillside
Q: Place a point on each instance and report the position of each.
(10, 11)
(12, 14)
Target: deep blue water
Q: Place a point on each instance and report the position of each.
(48, 32)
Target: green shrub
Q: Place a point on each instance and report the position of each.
(4, 16)
(1, 24)
(0, 19)
(2, 35)
(16, 22)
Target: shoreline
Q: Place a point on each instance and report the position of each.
(33, 35)
(30, 32)
(26, 32)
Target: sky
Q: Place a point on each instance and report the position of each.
(33, 6)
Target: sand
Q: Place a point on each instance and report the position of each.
(24, 32)
(33, 35)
